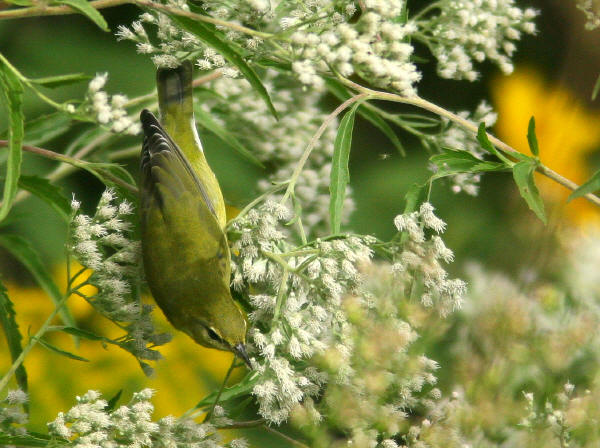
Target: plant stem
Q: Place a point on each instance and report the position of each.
(284, 436)
(201, 18)
(294, 178)
(247, 424)
(32, 341)
(212, 409)
(424, 104)
(72, 161)
(44, 10)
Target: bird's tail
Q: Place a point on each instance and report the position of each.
(175, 98)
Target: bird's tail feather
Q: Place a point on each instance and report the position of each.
(175, 98)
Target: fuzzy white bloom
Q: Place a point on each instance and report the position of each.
(456, 137)
(419, 259)
(109, 111)
(103, 243)
(468, 30)
(294, 317)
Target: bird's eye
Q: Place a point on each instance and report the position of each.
(213, 335)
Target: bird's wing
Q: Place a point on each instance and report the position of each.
(175, 200)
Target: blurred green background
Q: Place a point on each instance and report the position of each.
(554, 75)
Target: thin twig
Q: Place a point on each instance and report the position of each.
(202, 18)
(286, 437)
(247, 424)
(424, 104)
(313, 141)
(44, 10)
(73, 161)
(212, 409)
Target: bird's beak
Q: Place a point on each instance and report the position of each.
(240, 351)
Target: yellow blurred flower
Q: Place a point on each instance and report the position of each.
(567, 133)
(185, 375)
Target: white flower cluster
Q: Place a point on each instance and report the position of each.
(468, 31)
(12, 417)
(591, 9)
(109, 111)
(295, 302)
(418, 260)
(281, 143)
(457, 137)
(387, 379)
(91, 423)
(103, 243)
(172, 42)
(552, 415)
(376, 47)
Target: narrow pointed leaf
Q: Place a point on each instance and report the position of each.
(61, 80)
(26, 440)
(12, 335)
(244, 387)
(22, 250)
(590, 186)
(49, 193)
(485, 143)
(596, 88)
(340, 92)
(112, 403)
(45, 128)
(84, 7)
(340, 175)
(523, 175)
(204, 119)
(532, 139)
(452, 161)
(12, 97)
(210, 36)
(66, 354)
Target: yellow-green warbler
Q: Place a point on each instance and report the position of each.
(185, 251)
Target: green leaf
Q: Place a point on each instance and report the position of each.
(27, 440)
(483, 140)
(12, 334)
(210, 36)
(26, 254)
(12, 92)
(20, 2)
(412, 198)
(523, 175)
(112, 403)
(84, 334)
(84, 7)
(61, 80)
(590, 186)
(60, 351)
(340, 175)
(596, 88)
(205, 120)
(244, 387)
(45, 128)
(452, 161)
(337, 89)
(49, 193)
(532, 139)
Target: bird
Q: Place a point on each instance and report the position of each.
(185, 252)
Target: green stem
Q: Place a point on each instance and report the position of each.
(286, 437)
(44, 10)
(73, 161)
(32, 341)
(294, 178)
(201, 18)
(424, 104)
(212, 409)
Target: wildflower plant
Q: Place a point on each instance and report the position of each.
(345, 329)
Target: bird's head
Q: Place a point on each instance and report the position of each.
(223, 330)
